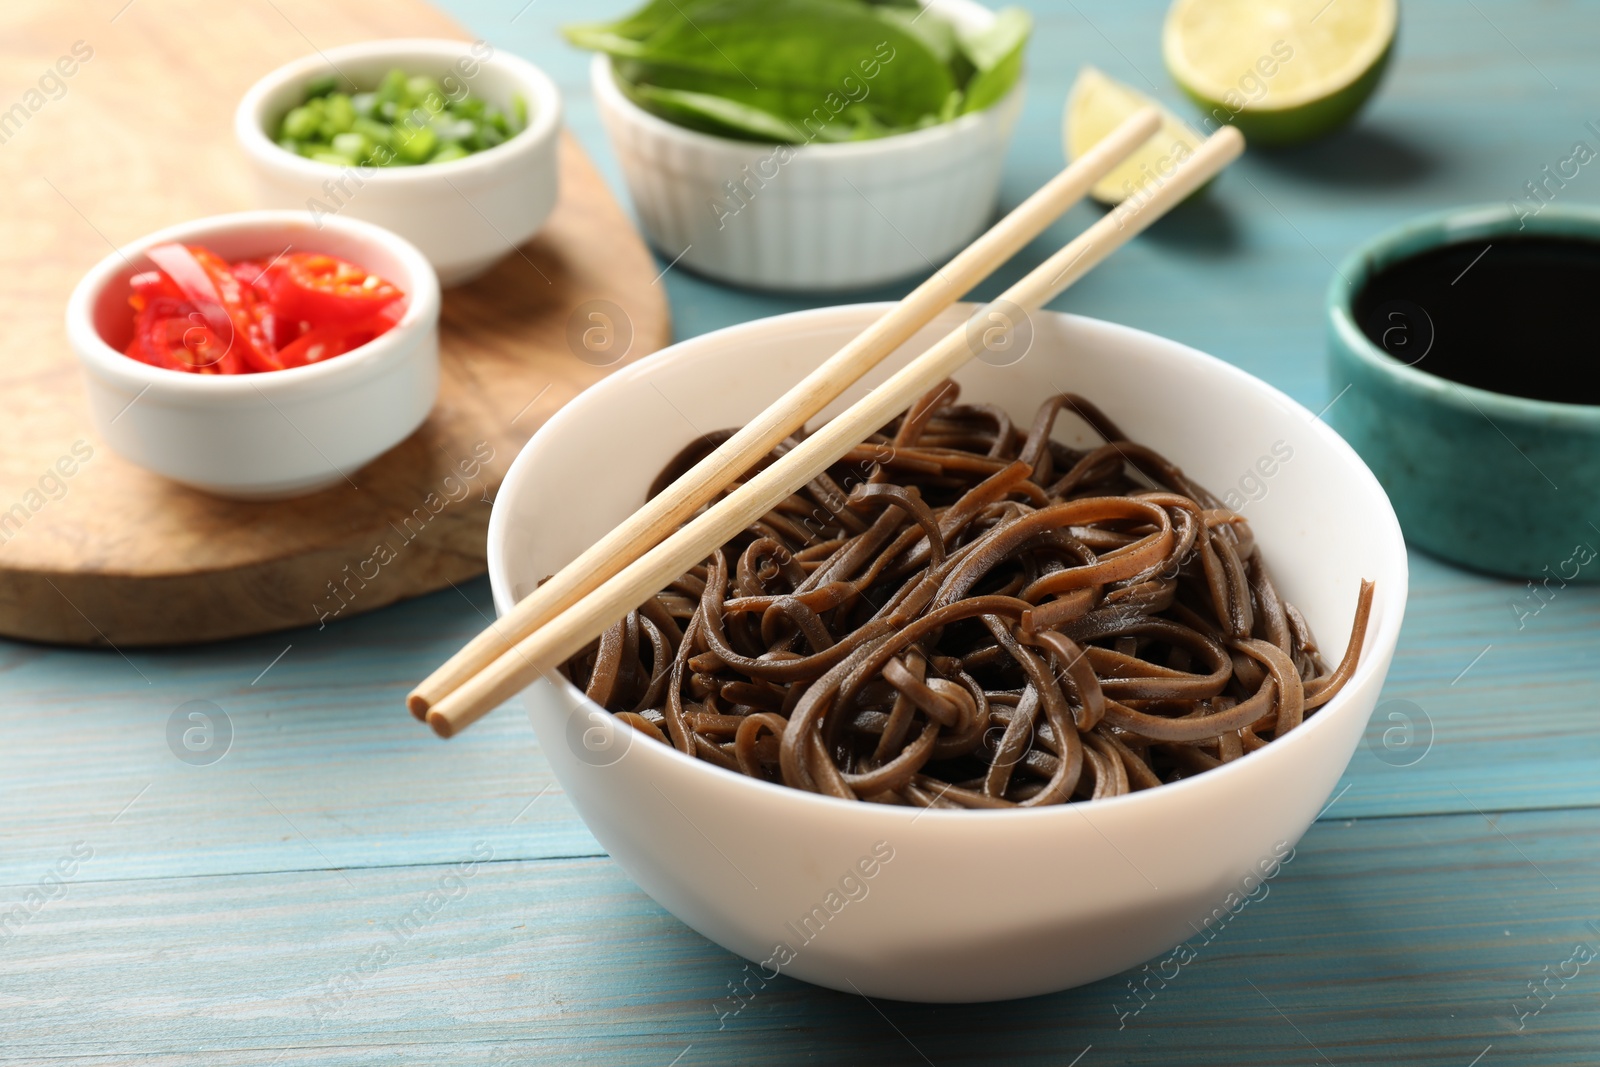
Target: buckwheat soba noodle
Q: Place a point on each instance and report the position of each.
(964, 613)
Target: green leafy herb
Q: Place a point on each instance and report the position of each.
(996, 53)
(798, 71)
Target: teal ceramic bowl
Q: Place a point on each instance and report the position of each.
(1494, 482)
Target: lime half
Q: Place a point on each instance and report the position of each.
(1096, 106)
(1282, 71)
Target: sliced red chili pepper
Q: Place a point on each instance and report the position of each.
(194, 282)
(173, 334)
(135, 349)
(320, 289)
(279, 329)
(200, 314)
(253, 273)
(226, 303)
(148, 284)
(244, 310)
(336, 338)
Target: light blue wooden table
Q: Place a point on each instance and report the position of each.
(254, 911)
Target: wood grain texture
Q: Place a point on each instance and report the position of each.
(1356, 953)
(1403, 932)
(116, 555)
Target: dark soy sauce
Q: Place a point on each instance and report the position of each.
(1515, 319)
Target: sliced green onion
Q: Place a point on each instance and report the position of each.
(393, 87)
(405, 120)
(300, 124)
(417, 143)
(321, 86)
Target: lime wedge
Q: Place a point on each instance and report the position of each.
(1282, 71)
(1095, 107)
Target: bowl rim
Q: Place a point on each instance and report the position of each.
(1435, 230)
(101, 359)
(544, 122)
(1389, 599)
(609, 94)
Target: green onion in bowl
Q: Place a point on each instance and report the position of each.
(407, 120)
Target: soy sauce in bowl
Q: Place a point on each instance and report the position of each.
(1509, 315)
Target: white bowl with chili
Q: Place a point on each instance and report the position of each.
(259, 355)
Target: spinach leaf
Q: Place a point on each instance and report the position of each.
(799, 71)
(997, 54)
(709, 113)
(635, 27)
(937, 35)
(804, 62)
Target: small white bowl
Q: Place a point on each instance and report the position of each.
(270, 435)
(834, 216)
(972, 905)
(465, 215)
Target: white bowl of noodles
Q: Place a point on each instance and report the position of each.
(928, 904)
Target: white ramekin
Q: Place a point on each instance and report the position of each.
(271, 435)
(464, 215)
(975, 905)
(811, 217)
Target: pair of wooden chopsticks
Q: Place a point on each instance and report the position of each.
(648, 550)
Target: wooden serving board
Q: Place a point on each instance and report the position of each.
(139, 136)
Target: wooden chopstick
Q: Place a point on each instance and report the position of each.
(662, 514)
(642, 578)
